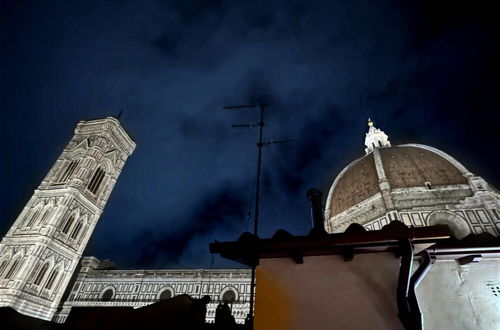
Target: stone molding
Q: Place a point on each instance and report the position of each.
(111, 125)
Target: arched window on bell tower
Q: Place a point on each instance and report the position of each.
(68, 171)
(96, 180)
(76, 231)
(68, 224)
(34, 216)
(41, 274)
(52, 277)
(3, 264)
(45, 216)
(13, 268)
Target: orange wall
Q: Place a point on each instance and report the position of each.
(325, 292)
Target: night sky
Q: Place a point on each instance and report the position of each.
(424, 72)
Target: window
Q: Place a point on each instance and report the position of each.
(75, 232)
(167, 294)
(13, 269)
(83, 232)
(45, 216)
(96, 180)
(34, 216)
(41, 274)
(107, 295)
(51, 279)
(3, 265)
(69, 171)
(68, 224)
(229, 297)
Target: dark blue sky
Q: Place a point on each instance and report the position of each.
(425, 72)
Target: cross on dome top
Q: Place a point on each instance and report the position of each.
(375, 138)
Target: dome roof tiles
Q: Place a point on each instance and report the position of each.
(404, 166)
(356, 184)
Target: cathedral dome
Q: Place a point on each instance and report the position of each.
(403, 166)
(405, 182)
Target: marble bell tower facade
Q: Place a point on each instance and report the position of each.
(40, 252)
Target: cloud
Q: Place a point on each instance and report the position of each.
(164, 245)
(323, 66)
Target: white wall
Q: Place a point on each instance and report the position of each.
(461, 297)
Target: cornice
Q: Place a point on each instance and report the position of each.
(113, 127)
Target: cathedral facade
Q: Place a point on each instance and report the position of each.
(415, 184)
(98, 286)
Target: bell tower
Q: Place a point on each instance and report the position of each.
(41, 250)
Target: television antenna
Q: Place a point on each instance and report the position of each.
(260, 144)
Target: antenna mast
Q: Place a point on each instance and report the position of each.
(260, 144)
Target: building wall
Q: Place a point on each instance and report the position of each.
(455, 297)
(138, 288)
(326, 292)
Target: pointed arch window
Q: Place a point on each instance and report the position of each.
(52, 278)
(84, 231)
(13, 268)
(70, 169)
(34, 216)
(96, 180)
(68, 224)
(45, 216)
(76, 231)
(3, 265)
(41, 274)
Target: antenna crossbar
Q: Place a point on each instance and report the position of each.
(247, 106)
(244, 125)
(276, 142)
